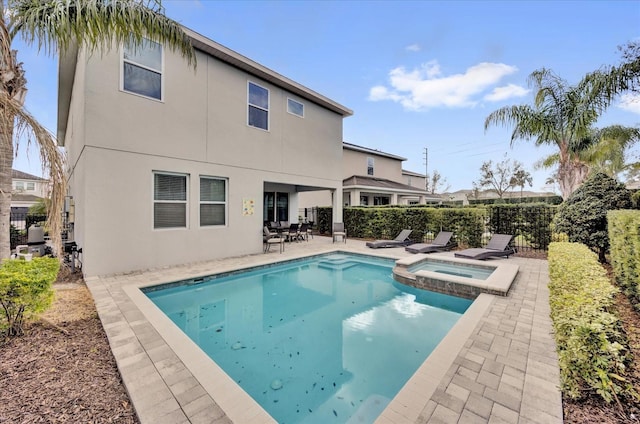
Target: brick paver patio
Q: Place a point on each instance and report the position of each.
(498, 364)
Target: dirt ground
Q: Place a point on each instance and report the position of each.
(62, 370)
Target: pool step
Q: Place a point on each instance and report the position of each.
(337, 264)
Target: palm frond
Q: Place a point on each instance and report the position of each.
(25, 126)
(96, 25)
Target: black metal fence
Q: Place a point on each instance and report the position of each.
(20, 223)
(529, 224)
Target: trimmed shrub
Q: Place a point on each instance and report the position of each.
(25, 291)
(592, 348)
(531, 222)
(624, 237)
(584, 215)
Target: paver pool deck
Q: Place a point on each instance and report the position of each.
(497, 365)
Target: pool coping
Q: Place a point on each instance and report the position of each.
(165, 379)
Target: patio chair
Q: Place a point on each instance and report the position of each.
(303, 232)
(401, 239)
(292, 232)
(270, 238)
(339, 231)
(441, 243)
(497, 246)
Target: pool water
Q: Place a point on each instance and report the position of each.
(329, 339)
(457, 269)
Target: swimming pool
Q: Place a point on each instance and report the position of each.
(325, 339)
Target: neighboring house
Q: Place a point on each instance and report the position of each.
(465, 195)
(172, 165)
(372, 177)
(26, 191)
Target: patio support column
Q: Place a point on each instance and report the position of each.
(394, 198)
(337, 204)
(355, 198)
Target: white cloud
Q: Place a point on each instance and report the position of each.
(413, 48)
(506, 92)
(426, 87)
(630, 102)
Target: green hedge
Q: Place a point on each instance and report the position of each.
(624, 239)
(386, 222)
(25, 290)
(531, 222)
(592, 348)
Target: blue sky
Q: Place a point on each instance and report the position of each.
(419, 74)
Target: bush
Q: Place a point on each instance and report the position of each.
(25, 290)
(624, 236)
(592, 348)
(583, 217)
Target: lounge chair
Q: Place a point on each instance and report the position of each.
(497, 246)
(270, 238)
(339, 231)
(401, 239)
(441, 243)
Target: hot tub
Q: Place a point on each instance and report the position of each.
(456, 276)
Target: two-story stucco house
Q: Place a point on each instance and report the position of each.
(26, 191)
(173, 165)
(371, 178)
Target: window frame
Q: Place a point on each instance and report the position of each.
(30, 186)
(147, 68)
(250, 105)
(290, 100)
(370, 165)
(154, 201)
(214, 202)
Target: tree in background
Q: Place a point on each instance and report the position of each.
(522, 177)
(59, 26)
(607, 152)
(583, 216)
(436, 183)
(506, 175)
(564, 116)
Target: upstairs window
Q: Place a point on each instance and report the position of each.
(295, 108)
(19, 185)
(369, 166)
(169, 200)
(258, 107)
(142, 69)
(31, 186)
(213, 201)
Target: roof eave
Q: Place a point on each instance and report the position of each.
(235, 59)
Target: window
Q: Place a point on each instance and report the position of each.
(276, 206)
(31, 186)
(169, 200)
(142, 69)
(213, 201)
(19, 185)
(364, 200)
(258, 106)
(381, 200)
(369, 166)
(295, 108)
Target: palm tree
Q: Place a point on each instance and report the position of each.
(562, 115)
(607, 83)
(607, 153)
(56, 26)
